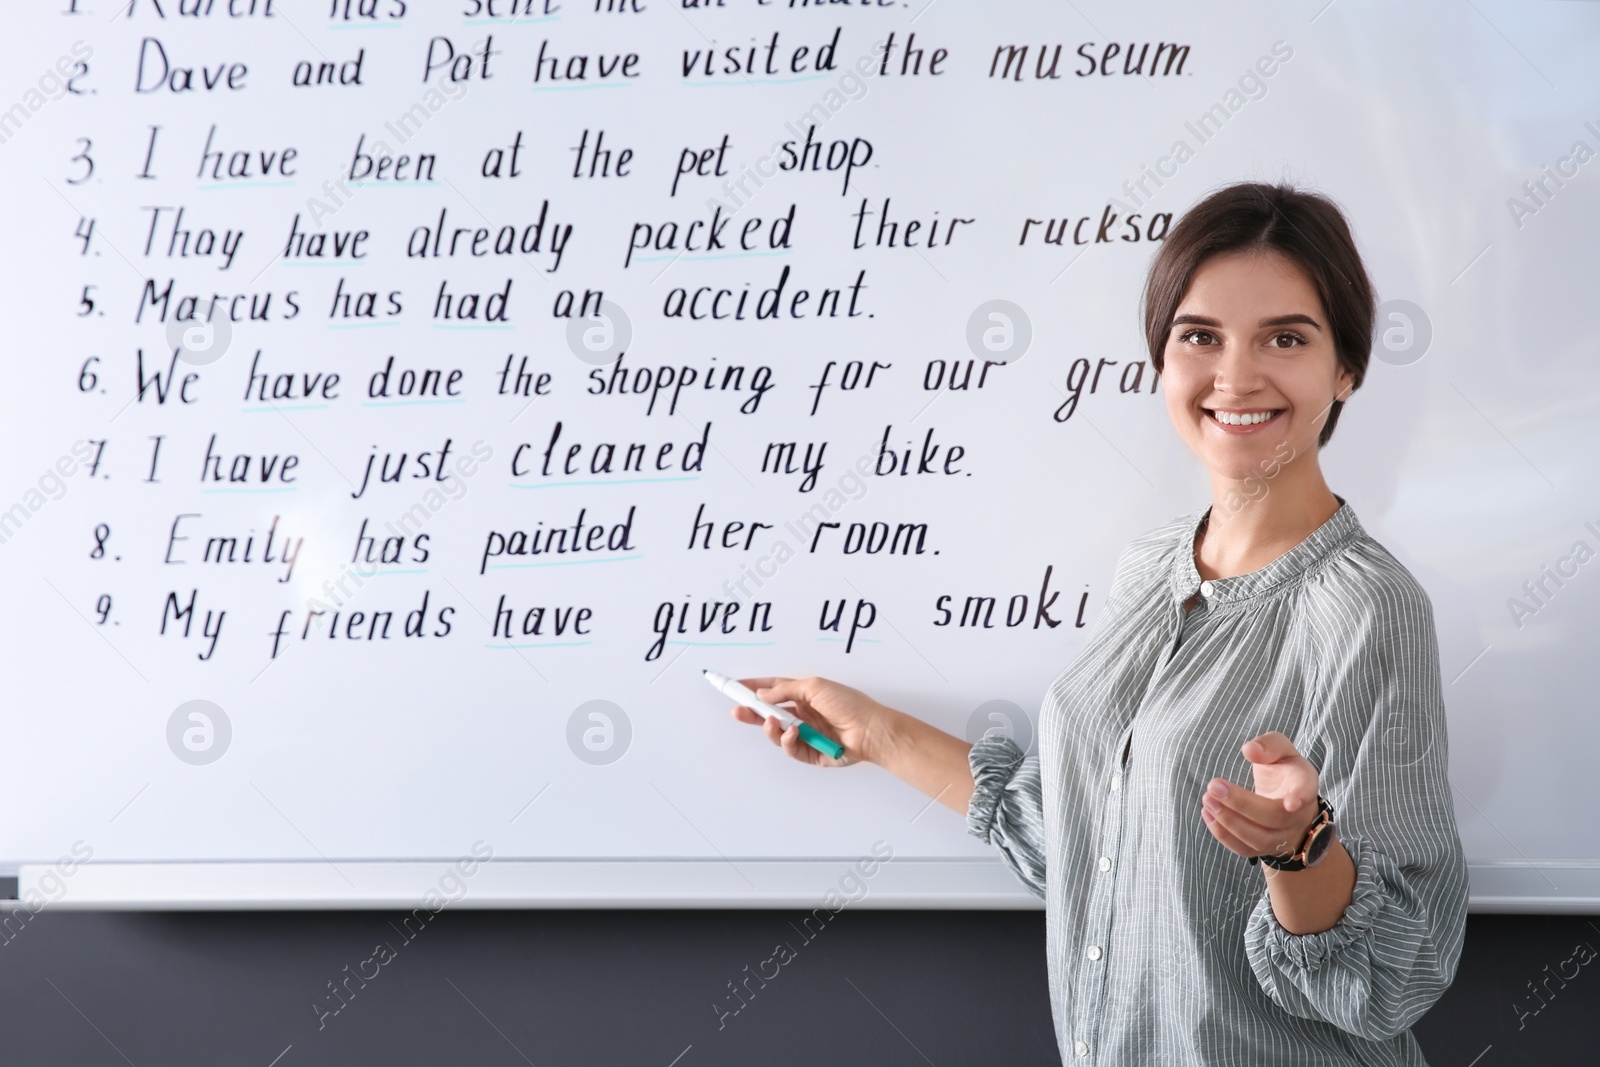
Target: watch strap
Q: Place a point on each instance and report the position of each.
(1296, 860)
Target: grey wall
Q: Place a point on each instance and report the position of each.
(605, 987)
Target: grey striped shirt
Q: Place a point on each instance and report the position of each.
(1163, 946)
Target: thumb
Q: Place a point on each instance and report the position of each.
(1270, 747)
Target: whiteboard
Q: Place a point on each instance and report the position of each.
(429, 201)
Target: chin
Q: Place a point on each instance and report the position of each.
(1244, 457)
(1233, 469)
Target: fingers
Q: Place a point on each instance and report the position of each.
(1247, 808)
(777, 690)
(1229, 840)
(793, 691)
(1238, 832)
(788, 740)
(768, 726)
(1259, 824)
(1281, 800)
(758, 683)
(773, 729)
(796, 748)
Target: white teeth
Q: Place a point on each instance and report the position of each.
(1242, 420)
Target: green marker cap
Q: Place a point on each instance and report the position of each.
(821, 742)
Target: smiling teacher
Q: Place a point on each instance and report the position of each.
(1239, 817)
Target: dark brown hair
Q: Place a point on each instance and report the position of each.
(1306, 227)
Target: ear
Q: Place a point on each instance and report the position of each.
(1344, 385)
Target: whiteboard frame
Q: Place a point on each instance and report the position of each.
(1563, 887)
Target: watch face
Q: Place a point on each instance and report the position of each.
(1317, 847)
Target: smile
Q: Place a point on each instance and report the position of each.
(1236, 422)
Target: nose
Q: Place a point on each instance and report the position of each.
(1237, 371)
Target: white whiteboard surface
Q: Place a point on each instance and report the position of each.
(354, 770)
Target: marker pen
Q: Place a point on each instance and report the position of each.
(736, 691)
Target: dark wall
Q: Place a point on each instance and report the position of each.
(639, 987)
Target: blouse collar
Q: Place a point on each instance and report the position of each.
(1184, 579)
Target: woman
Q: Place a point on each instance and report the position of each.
(1263, 681)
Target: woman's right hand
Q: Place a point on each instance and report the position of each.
(847, 715)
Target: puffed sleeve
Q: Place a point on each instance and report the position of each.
(1007, 806)
(1377, 736)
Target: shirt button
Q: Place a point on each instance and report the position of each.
(1116, 782)
(1081, 1048)
(1105, 863)
(1094, 952)
(1205, 589)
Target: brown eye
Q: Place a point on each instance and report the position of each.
(1190, 337)
(1293, 338)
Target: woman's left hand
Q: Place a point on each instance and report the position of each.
(1273, 818)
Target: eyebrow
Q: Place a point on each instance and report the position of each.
(1277, 320)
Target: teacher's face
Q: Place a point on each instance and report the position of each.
(1250, 342)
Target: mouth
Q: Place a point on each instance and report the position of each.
(1241, 421)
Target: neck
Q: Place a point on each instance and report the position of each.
(1255, 520)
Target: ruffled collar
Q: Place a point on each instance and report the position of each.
(1322, 542)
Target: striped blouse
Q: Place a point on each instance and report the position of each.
(1163, 945)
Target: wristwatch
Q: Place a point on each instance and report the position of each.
(1313, 846)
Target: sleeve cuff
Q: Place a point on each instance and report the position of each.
(993, 760)
(1310, 951)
